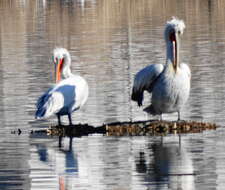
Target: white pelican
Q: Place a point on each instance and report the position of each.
(68, 94)
(169, 83)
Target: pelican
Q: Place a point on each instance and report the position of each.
(68, 94)
(169, 84)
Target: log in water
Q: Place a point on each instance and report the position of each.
(138, 128)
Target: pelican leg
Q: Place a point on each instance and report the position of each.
(70, 119)
(160, 117)
(59, 120)
(178, 119)
(178, 116)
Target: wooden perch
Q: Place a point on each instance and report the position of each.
(139, 128)
(158, 127)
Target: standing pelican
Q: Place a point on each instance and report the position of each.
(169, 83)
(68, 94)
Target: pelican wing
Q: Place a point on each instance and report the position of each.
(144, 80)
(41, 100)
(49, 103)
(59, 99)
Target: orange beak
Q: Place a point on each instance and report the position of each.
(174, 43)
(59, 70)
(175, 55)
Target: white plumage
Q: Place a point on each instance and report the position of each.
(169, 83)
(69, 93)
(144, 80)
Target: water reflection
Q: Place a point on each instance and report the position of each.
(173, 163)
(109, 42)
(131, 163)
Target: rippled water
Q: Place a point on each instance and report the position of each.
(109, 40)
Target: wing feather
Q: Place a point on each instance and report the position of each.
(49, 103)
(61, 99)
(41, 100)
(144, 80)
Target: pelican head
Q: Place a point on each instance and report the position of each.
(62, 61)
(174, 28)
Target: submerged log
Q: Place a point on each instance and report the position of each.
(158, 127)
(138, 128)
(75, 130)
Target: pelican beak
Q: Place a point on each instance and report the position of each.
(58, 69)
(175, 61)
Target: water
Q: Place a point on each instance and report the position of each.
(109, 42)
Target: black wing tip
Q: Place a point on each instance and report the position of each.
(139, 103)
(40, 113)
(137, 97)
